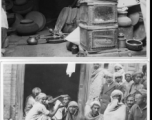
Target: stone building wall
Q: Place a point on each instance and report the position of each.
(9, 86)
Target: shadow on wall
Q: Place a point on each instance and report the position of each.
(52, 8)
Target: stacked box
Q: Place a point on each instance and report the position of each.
(98, 25)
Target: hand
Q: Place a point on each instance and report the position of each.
(60, 106)
(63, 96)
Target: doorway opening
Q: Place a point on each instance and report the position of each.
(52, 80)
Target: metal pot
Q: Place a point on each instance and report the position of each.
(33, 40)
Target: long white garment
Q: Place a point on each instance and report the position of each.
(4, 22)
(118, 114)
(115, 110)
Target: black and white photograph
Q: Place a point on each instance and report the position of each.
(75, 28)
(75, 91)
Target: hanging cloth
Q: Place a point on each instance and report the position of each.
(4, 22)
(70, 69)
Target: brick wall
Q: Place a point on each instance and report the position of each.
(9, 85)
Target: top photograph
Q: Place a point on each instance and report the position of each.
(74, 28)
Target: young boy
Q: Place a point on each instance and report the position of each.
(136, 86)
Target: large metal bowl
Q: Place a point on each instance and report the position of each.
(134, 45)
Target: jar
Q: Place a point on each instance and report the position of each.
(27, 27)
(123, 20)
(20, 2)
(121, 40)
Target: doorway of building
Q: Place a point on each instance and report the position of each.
(52, 80)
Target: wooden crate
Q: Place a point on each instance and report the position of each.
(98, 13)
(94, 39)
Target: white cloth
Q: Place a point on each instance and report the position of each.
(4, 22)
(70, 69)
(118, 114)
(115, 110)
(74, 36)
(38, 112)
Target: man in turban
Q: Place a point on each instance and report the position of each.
(94, 114)
(139, 109)
(39, 111)
(115, 110)
(30, 100)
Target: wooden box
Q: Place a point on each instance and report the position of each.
(98, 13)
(95, 39)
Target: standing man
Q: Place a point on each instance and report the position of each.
(139, 110)
(95, 85)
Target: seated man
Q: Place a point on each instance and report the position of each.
(51, 101)
(72, 111)
(62, 111)
(139, 109)
(94, 114)
(30, 100)
(39, 111)
(136, 86)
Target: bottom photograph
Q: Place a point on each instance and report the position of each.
(74, 91)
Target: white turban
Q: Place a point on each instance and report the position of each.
(116, 92)
(95, 103)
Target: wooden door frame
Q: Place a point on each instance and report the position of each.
(83, 88)
(19, 91)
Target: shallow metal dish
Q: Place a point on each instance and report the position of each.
(134, 45)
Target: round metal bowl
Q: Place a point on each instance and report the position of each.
(134, 45)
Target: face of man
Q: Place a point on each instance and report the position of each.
(108, 79)
(72, 109)
(95, 109)
(96, 66)
(118, 97)
(65, 101)
(130, 101)
(43, 100)
(118, 79)
(128, 77)
(117, 69)
(138, 78)
(138, 99)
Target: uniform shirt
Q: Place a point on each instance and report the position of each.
(136, 113)
(37, 111)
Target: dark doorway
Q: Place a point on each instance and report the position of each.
(52, 79)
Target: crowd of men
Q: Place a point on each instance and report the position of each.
(118, 100)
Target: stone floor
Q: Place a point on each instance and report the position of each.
(18, 47)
